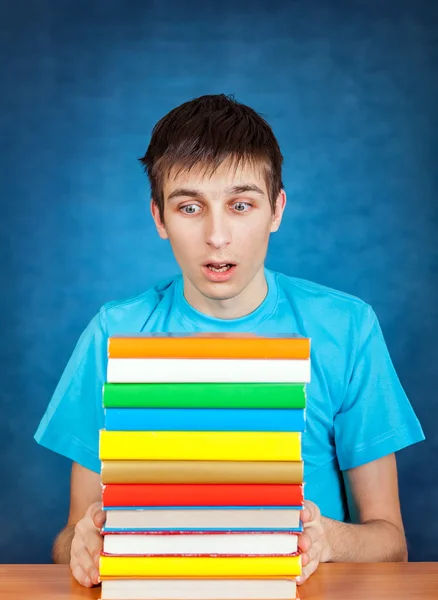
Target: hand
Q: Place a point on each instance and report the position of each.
(313, 541)
(86, 546)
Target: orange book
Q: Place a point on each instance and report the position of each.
(209, 345)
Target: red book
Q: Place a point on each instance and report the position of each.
(206, 494)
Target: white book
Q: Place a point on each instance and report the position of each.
(206, 370)
(198, 589)
(203, 519)
(248, 543)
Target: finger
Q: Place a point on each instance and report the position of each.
(310, 538)
(95, 558)
(313, 532)
(305, 515)
(305, 559)
(94, 545)
(95, 511)
(307, 571)
(309, 512)
(314, 552)
(99, 518)
(304, 541)
(310, 568)
(80, 576)
(91, 544)
(86, 562)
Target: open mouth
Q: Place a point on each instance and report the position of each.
(219, 267)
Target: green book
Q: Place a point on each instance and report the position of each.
(204, 395)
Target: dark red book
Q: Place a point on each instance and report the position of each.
(207, 494)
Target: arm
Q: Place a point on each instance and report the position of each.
(379, 535)
(79, 543)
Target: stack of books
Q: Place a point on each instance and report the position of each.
(202, 472)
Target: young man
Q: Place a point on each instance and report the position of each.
(215, 171)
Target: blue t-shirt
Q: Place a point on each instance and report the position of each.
(357, 410)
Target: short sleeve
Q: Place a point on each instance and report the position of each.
(70, 426)
(376, 417)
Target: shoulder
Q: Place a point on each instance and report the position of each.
(324, 306)
(131, 314)
(311, 291)
(339, 324)
(344, 331)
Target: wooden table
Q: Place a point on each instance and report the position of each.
(384, 581)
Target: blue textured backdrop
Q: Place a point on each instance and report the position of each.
(351, 90)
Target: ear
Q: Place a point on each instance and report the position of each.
(277, 215)
(158, 223)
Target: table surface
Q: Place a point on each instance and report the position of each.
(375, 581)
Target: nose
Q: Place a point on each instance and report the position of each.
(217, 231)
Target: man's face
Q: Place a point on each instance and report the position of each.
(218, 226)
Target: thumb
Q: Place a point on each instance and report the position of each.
(309, 512)
(97, 514)
(99, 518)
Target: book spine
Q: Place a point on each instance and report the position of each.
(156, 370)
(205, 395)
(136, 495)
(201, 471)
(204, 419)
(199, 566)
(194, 445)
(213, 347)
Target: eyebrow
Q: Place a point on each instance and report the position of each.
(231, 191)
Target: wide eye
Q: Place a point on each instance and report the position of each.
(190, 209)
(242, 206)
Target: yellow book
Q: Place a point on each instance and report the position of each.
(183, 566)
(200, 445)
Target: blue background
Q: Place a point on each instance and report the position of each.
(351, 91)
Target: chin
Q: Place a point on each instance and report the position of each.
(219, 291)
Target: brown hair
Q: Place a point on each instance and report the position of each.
(206, 131)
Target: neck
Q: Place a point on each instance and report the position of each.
(241, 305)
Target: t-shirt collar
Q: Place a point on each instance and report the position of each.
(203, 322)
